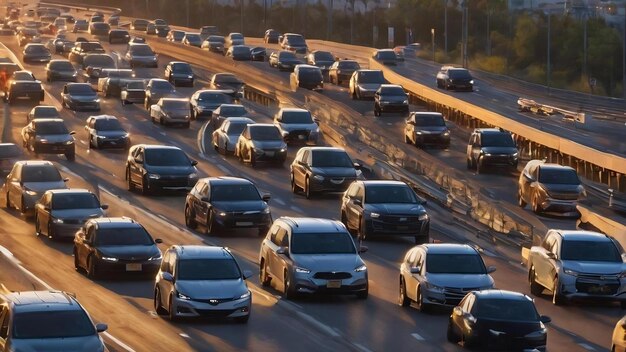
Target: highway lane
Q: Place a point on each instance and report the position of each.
(345, 314)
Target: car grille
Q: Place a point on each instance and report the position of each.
(564, 196)
(331, 275)
(597, 288)
(73, 221)
(216, 313)
(299, 134)
(454, 295)
(215, 301)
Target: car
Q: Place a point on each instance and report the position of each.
(141, 55)
(36, 52)
(99, 28)
(322, 258)
(271, 36)
(227, 82)
(49, 136)
(151, 29)
(365, 83)
(133, 92)
(390, 98)
(139, 25)
(175, 36)
(498, 319)
(206, 31)
(441, 274)
(115, 246)
(192, 39)
(161, 27)
(27, 182)
(60, 23)
(225, 137)
(214, 43)
(220, 203)
(21, 75)
(113, 20)
(80, 25)
(59, 45)
(32, 319)
(385, 56)
(306, 76)
(80, 96)
(239, 53)
(60, 69)
(156, 89)
(137, 40)
(283, 60)
(106, 131)
(618, 341)
(258, 53)
(30, 90)
(81, 49)
(42, 112)
(97, 17)
(170, 111)
(227, 110)
(93, 64)
(294, 42)
(179, 72)
(10, 153)
(491, 147)
(322, 169)
(6, 31)
(153, 168)
(297, 125)
(457, 78)
(381, 208)
(322, 59)
(261, 142)
(203, 102)
(59, 213)
(202, 281)
(114, 81)
(28, 35)
(425, 128)
(412, 50)
(577, 265)
(233, 39)
(399, 51)
(120, 36)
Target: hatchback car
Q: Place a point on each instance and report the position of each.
(491, 147)
(214, 43)
(156, 89)
(456, 78)
(227, 110)
(60, 69)
(80, 96)
(27, 181)
(498, 319)
(225, 137)
(309, 255)
(261, 142)
(36, 52)
(390, 98)
(106, 131)
(59, 213)
(306, 76)
(220, 203)
(365, 83)
(43, 112)
(171, 111)
(179, 72)
(322, 169)
(203, 102)
(549, 188)
(192, 39)
(283, 60)
(115, 245)
(47, 320)
(342, 70)
(141, 55)
(49, 136)
(426, 128)
(441, 275)
(297, 125)
(202, 281)
(154, 168)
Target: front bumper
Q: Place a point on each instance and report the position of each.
(566, 207)
(182, 79)
(302, 136)
(202, 308)
(271, 155)
(406, 225)
(500, 160)
(53, 148)
(245, 219)
(129, 266)
(37, 58)
(593, 287)
(84, 105)
(394, 107)
(66, 230)
(432, 138)
(330, 184)
(174, 120)
(34, 95)
(336, 283)
(121, 142)
(175, 183)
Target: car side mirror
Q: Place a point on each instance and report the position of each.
(529, 177)
(194, 162)
(158, 240)
(363, 249)
(100, 327)
(104, 206)
(457, 311)
(545, 319)
(416, 270)
(204, 199)
(357, 202)
(138, 161)
(551, 255)
(491, 269)
(282, 250)
(66, 179)
(167, 277)
(316, 120)
(247, 274)
(266, 197)
(357, 166)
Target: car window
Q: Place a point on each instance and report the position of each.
(165, 265)
(282, 240)
(91, 231)
(4, 322)
(359, 194)
(548, 242)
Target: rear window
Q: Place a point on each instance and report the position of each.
(92, 46)
(216, 39)
(386, 55)
(61, 66)
(323, 56)
(141, 50)
(162, 86)
(371, 77)
(459, 74)
(118, 33)
(310, 74)
(265, 133)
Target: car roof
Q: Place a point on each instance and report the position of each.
(175, 99)
(581, 235)
(383, 183)
(74, 84)
(227, 180)
(501, 294)
(223, 91)
(489, 130)
(158, 80)
(156, 146)
(334, 149)
(367, 70)
(40, 120)
(115, 222)
(203, 252)
(390, 86)
(178, 62)
(318, 225)
(551, 166)
(35, 163)
(41, 300)
(103, 117)
(307, 66)
(231, 105)
(449, 248)
(70, 191)
(240, 119)
(261, 125)
(293, 110)
(383, 50)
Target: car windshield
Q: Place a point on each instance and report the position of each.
(392, 91)
(295, 40)
(429, 120)
(506, 309)
(62, 66)
(27, 86)
(99, 61)
(236, 128)
(310, 74)
(323, 56)
(590, 251)
(241, 50)
(178, 35)
(459, 74)
(208, 269)
(265, 133)
(216, 39)
(141, 50)
(371, 77)
(287, 55)
(330, 158)
(226, 79)
(64, 201)
(181, 67)
(127, 236)
(558, 176)
(230, 193)
(216, 98)
(322, 243)
(51, 127)
(386, 55)
(136, 85)
(193, 37)
(80, 89)
(166, 157)
(175, 105)
(350, 65)
(34, 173)
(164, 86)
(121, 74)
(389, 194)
(497, 140)
(42, 112)
(108, 125)
(92, 46)
(303, 117)
(454, 264)
(47, 324)
(23, 76)
(233, 111)
(36, 49)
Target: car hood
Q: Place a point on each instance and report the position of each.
(432, 129)
(176, 112)
(255, 206)
(500, 150)
(63, 71)
(111, 134)
(37, 54)
(41, 187)
(83, 97)
(327, 262)
(369, 86)
(270, 144)
(394, 98)
(460, 280)
(170, 170)
(208, 289)
(80, 214)
(129, 252)
(297, 126)
(77, 344)
(397, 208)
(511, 328)
(56, 138)
(334, 171)
(233, 86)
(595, 267)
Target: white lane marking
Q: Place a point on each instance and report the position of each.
(330, 331)
(262, 294)
(223, 168)
(489, 253)
(586, 346)
(418, 337)
(297, 209)
(184, 335)
(361, 347)
(280, 201)
(118, 342)
(163, 133)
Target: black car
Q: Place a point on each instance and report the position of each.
(258, 53)
(99, 28)
(271, 36)
(227, 82)
(60, 69)
(139, 25)
(239, 53)
(283, 60)
(425, 128)
(36, 52)
(214, 43)
(386, 56)
(261, 142)
(156, 89)
(119, 36)
(43, 112)
(227, 202)
(192, 39)
(491, 147)
(456, 78)
(115, 245)
(80, 96)
(152, 168)
(322, 169)
(320, 58)
(390, 98)
(370, 208)
(294, 42)
(49, 136)
(306, 76)
(114, 81)
(106, 131)
(204, 102)
(31, 90)
(81, 49)
(179, 72)
(94, 63)
(499, 320)
(141, 55)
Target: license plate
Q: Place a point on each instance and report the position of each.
(113, 142)
(133, 267)
(333, 284)
(599, 289)
(269, 153)
(243, 223)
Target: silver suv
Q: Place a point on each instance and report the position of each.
(309, 255)
(202, 281)
(30, 320)
(578, 264)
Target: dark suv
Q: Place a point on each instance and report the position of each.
(424, 128)
(390, 98)
(456, 78)
(491, 147)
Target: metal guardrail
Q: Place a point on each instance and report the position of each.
(112, 10)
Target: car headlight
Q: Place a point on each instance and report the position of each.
(418, 133)
(57, 221)
(319, 178)
(282, 150)
(110, 259)
(182, 296)
(446, 133)
(515, 155)
(97, 100)
(405, 101)
(536, 334)
(374, 215)
(154, 58)
(432, 287)
(361, 268)
(189, 76)
(422, 217)
(126, 135)
(302, 270)
(193, 175)
(69, 142)
(472, 82)
(220, 213)
(570, 272)
(487, 154)
(496, 332)
(245, 295)
(154, 176)
(266, 210)
(157, 256)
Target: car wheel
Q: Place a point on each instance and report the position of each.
(421, 306)
(294, 187)
(21, 208)
(289, 291)
(403, 300)
(535, 288)
(194, 114)
(50, 232)
(158, 307)
(479, 166)
(264, 277)
(557, 298)
(344, 221)
(190, 220)
(146, 103)
(520, 200)
(307, 188)
(37, 226)
(145, 186)
(407, 140)
(211, 226)
(129, 183)
(421, 239)
(71, 156)
(534, 204)
(362, 234)
(451, 335)
(376, 110)
(252, 158)
(92, 269)
(470, 165)
(170, 310)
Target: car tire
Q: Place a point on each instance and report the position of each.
(344, 221)
(252, 158)
(403, 299)
(158, 307)
(307, 188)
(211, 226)
(37, 226)
(535, 288)
(361, 234)
(470, 164)
(294, 186)
(451, 336)
(129, 183)
(190, 220)
(145, 186)
(171, 314)
(92, 269)
(264, 277)
(76, 262)
(407, 140)
(480, 166)
(289, 291)
(557, 298)
(50, 232)
(421, 306)
(71, 156)
(520, 200)
(376, 110)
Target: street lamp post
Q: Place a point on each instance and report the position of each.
(432, 34)
(464, 33)
(445, 28)
(329, 30)
(242, 19)
(548, 51)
